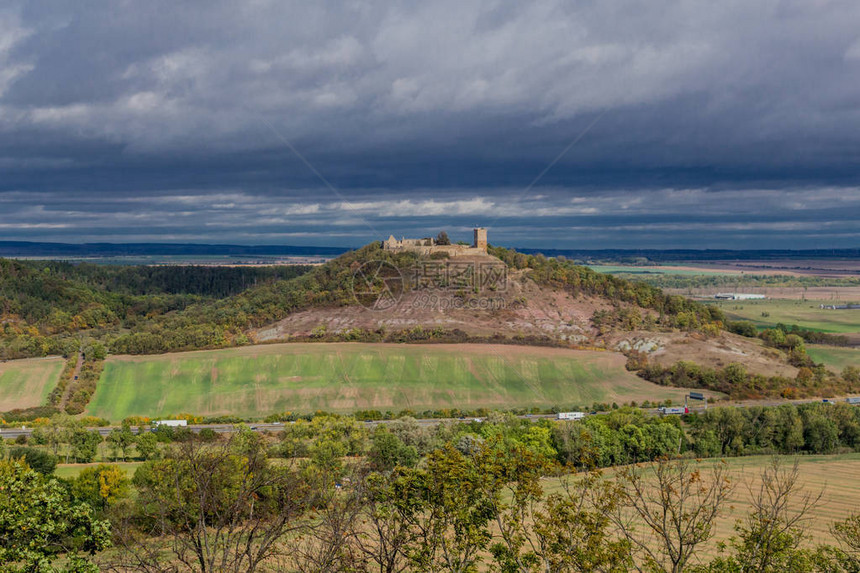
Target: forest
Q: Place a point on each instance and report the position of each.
(45, 307)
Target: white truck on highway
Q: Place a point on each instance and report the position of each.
(170, 423)
(570, 415)
(676, 410)
(853, 399)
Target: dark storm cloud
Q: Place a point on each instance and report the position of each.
(726, 124)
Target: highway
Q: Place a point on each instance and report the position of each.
(24, 430)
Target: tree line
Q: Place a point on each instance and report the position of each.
(504, 495)
(776, 336)
(623, 435)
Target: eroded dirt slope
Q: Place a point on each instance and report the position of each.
(667, 348)
(520, 307)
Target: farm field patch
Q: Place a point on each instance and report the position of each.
(27, 383)
(804, 313)
(834, 475)
(834, 358)
(343, 377)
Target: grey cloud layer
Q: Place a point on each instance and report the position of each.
(754, 218)
(726, 122)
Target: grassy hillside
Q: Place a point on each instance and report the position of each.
(27, 383)
(259, 380)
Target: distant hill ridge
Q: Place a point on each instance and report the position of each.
(676, 255)
(41, 249)
(31, 249)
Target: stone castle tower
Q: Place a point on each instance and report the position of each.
(480, 239)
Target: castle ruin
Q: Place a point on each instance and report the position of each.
(428, 246)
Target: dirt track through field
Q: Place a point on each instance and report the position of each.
(73, 381)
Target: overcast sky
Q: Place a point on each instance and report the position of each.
(590, 124)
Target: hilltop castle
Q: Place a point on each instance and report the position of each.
(428, 246)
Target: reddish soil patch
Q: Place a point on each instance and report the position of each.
(522, 307)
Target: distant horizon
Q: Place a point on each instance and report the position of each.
(96, 249)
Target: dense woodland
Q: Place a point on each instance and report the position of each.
(46, 307)
(506, 494)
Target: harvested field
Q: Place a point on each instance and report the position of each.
(258, 380)
(795, 267)
(27, 383)
(71, 471)
(835, 475)
(677, 270)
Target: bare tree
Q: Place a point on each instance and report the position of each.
(573, 530)
(668, 508)
(769, 539)
(388, 519)
(328, 544)
(222, 507)
(847, 534)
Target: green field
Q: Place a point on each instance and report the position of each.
(834, 358)
(27, 383)
(804, 313)
(343, 377)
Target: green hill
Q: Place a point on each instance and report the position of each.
(138, 310)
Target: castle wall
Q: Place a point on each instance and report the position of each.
(421, 247)
(457, 250)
